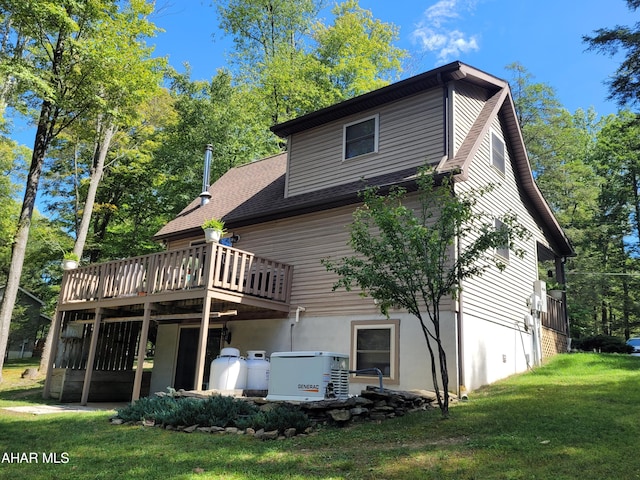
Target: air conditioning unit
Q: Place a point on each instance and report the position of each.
(308, 376)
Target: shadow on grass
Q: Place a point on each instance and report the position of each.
(556, 422)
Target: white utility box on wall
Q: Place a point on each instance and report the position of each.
(308, 376)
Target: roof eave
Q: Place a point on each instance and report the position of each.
(404, 88)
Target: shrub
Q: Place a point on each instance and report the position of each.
(602, 343)
(216, 411)
(148, 408)
(280, 417)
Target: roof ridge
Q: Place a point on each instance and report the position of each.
(253, 162)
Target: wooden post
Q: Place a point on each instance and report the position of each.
(53, 350)
(142, 350)
(202, 342)
(91, 358)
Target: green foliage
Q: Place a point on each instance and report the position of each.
(357, 50)
(602, 343)
(575, 416)
(216, 411)
(214, 223)
(406, 257)
(280, 417)
(624, 85)
(149, 408)
(587, 170)
(291, 63)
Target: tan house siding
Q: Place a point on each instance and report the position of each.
(485, 297)
(468, 101)
(303, 241)
(411, 131)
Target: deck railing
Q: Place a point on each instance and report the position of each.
(204, 266)
(555, 317)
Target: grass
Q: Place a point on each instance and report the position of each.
(576, 417)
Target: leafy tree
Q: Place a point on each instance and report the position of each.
(89, 140)
(404, 257)
(617, 161)
(215, 113)
(63, 76)
(357, 51)
(560, 145)
(290, 63)
(624, 86)
(270, 51)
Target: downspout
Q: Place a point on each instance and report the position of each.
(462, 390)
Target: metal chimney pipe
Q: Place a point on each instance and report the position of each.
(205, 195)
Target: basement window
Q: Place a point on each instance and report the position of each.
(360, 137)
(375, 345)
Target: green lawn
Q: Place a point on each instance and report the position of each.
(577, 417)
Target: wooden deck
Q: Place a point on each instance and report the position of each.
(212, 270)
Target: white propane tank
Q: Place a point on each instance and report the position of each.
(257, 370)
(228, 371)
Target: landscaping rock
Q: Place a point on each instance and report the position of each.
(190, 429)
(290, 432)
(340, 415)
(272, 435)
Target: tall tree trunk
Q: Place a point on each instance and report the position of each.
(46, 125)
(102, 148)
(99, 157)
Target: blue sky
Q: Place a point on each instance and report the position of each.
(543, 35)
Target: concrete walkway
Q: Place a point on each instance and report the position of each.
(66, 408)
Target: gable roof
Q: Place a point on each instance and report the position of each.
(501, 103)
(254, 192)
(391, 93)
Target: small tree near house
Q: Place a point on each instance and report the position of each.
(415, 258)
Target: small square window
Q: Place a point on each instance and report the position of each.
(375, 345)
(497, 152)
(361, 137)
(502, 250)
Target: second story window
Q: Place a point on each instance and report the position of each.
(361, 137)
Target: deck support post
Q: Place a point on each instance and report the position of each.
(92, 356)
(53, 351)
(142, 351)
(202, 343)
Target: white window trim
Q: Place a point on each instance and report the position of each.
(394, 327)
(376, 136)
(492, 133)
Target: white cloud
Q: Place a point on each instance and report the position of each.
(433, 35)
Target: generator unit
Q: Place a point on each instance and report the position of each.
(308, 376)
